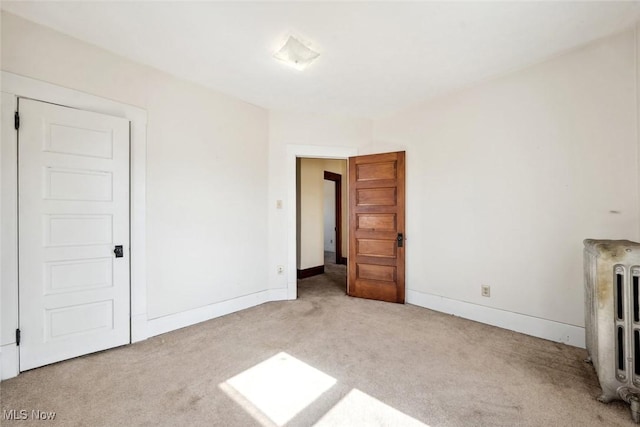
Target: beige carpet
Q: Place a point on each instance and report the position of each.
(325, 359)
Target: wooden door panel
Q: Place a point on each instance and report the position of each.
(376, 222)
(376, 197)
(376, 217)
(372, 260)
(381, 273)
(381, 291)
(376, 248)
(376, 171)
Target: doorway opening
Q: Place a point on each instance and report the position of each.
(321, 223)
(294, 153)
(333, 218)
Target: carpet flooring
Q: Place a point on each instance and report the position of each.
(325, 359)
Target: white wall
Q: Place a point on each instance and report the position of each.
(289, 130)
(311, 212)
(505, 180)
(310, 237)
(328, 215)
(206, 167)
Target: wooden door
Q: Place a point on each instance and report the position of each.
(376, 227)
(73, 202)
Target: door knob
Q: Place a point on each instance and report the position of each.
(400, 240)
(118, 251)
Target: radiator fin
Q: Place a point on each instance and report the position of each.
(636, 303)
(619, 295)
(620, 348)
(636, 352)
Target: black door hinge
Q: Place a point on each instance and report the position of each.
(17, 336)
(16, 120)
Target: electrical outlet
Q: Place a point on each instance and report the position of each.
(280, 269)
(485, 290)
(278, 204)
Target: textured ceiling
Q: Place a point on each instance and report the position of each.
(376, 58)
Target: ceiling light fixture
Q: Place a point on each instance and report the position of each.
(296, 54)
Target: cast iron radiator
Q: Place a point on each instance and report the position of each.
(612, 318)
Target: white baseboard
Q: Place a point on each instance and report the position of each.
(139, 326)
(292, 291)
(9, 362)
(280, 294)
(529, 325)
(172, 322)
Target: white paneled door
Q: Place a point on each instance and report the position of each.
(73, 202)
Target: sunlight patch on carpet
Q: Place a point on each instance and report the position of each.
(276, 390)
(359, 409)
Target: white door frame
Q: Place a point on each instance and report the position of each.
(14, 86)
(294, 152)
